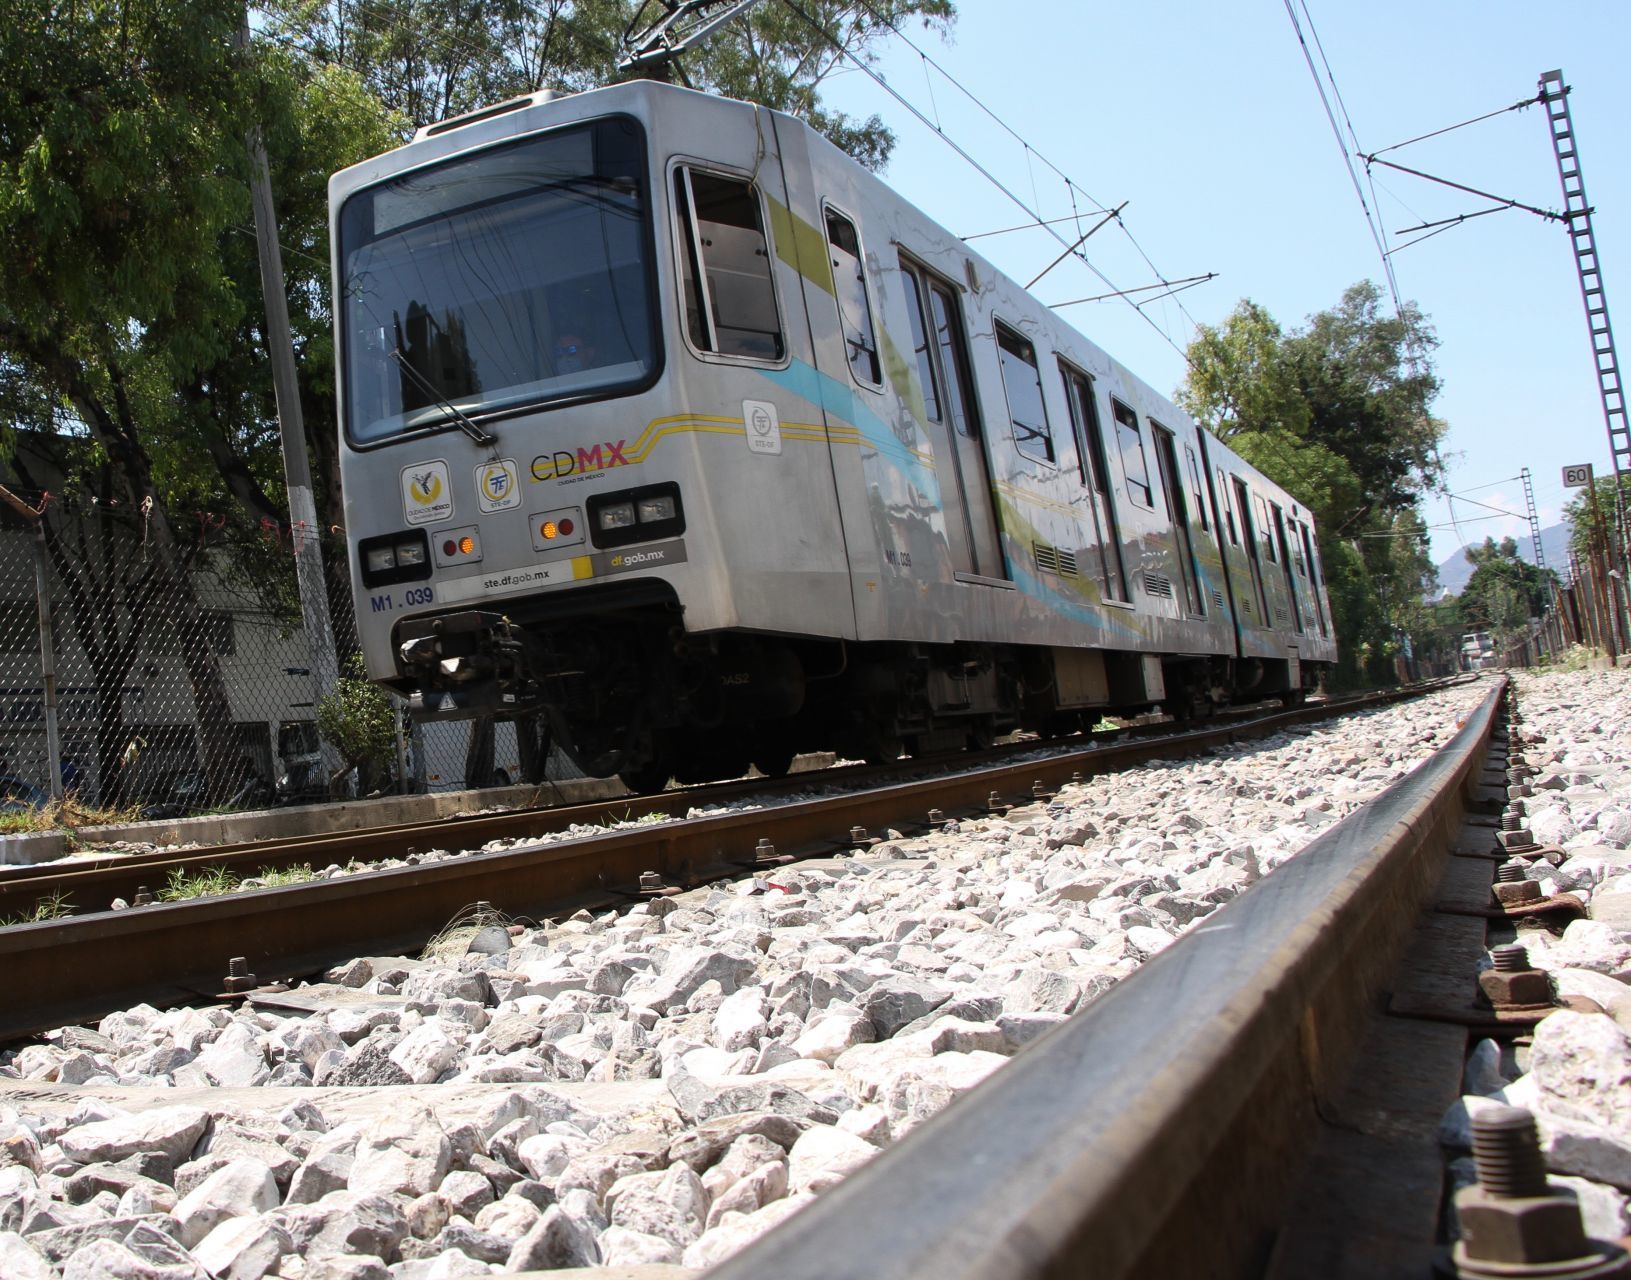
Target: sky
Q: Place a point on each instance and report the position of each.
(1205, 118)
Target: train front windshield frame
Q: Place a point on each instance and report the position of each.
(498, 281)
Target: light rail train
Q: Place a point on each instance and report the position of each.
(671, 428)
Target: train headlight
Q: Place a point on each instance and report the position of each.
(651, 510)
(615, 515)
(399, 556)
(645, 514)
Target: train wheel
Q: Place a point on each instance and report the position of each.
(651, 776)
(774, 759)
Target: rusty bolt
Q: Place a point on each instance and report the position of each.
(143, 898)
(1513, 1223)
(650, 882)
(1514, 983)
(936, 819)
(1039, 790)
(1513, 887)
(238, 976)
(994, 804)
(764, 850)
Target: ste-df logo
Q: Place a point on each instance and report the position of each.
(497, 485)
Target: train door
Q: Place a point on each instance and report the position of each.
(1285, 565)
(1183, 544)
(1312, 571)
(940, 345)
(1084, 421)
(1243, 505)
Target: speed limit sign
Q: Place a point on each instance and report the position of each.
(1577, 477)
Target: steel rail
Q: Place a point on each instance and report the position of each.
(81, 967)
(91, 884)
(1157, 1132)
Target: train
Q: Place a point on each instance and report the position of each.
(673, 433)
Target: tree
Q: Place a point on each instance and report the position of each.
(125, 308)
(1505, 590)
(429, 59)
(360, 722)
(1583, 533)
(1337, 413)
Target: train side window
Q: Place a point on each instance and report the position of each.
(1200, 488)
(849, 290)
(730, 297)
(920, 345)
(1023, 386)
(1134, 464)
(948, 330)
(1228, 507)
(1084, 421)
(1265, 529)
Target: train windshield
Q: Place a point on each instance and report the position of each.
(517, 275)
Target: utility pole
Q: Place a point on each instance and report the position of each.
(304, 530)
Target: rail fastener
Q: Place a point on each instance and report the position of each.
(1516, 990)
(1513, 1222)
(860, 838)
(238, 979)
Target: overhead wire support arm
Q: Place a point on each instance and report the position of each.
(1170, 286)
(1552, 215)
(1114, 215)
(684, 25)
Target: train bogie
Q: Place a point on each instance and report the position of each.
(669, 424)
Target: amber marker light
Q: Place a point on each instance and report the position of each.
(549, 529)
(467, 544)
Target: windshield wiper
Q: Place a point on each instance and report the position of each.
(469, 428)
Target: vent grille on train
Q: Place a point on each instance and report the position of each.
(1280, 614)
(1217, 597)
(1053, 560)
(1156, 585)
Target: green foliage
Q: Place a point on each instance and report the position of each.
(357, 719)
(280, 877)
(206, 882)
(1337, 414)
(425, 60)
(52, 907)
(1505, 590)
(1583, 539)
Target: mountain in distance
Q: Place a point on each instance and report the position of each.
(1455, 572)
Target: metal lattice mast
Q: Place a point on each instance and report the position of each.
(1534, 520)
(1554, 96)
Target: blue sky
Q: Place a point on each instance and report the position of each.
(1205, 118)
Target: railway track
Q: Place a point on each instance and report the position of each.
(1166, 1130)
(86, 965)
(1262, 1097)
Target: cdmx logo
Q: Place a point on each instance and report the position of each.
(426, 486)
(562, 463)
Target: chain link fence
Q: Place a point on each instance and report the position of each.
(168, 680)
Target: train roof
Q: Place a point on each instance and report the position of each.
(517, 117)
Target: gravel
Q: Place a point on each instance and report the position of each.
(1575, 1076)
(659, 1085)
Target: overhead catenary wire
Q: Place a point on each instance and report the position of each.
(979, 168)
(1336, 131)
(1071, 185)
